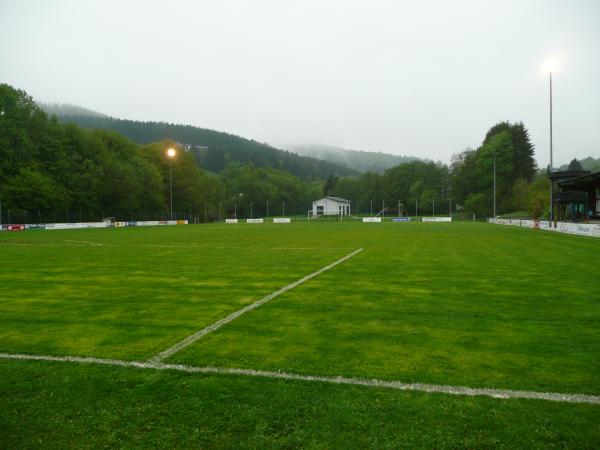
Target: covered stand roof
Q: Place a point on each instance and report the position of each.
(584, 182)
(561, 175)
(569, 197)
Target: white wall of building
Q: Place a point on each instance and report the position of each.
(330, 207)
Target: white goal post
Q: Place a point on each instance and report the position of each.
(331, 213)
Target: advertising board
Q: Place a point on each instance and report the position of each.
(436, 219)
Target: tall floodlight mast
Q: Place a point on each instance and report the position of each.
(549, 66)
(171, 153)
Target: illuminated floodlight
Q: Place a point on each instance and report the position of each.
(549, 65)
(171, 153)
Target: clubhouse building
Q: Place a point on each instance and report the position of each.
(576, 195)
(331, 206)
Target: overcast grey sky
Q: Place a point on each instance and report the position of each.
(424, 78)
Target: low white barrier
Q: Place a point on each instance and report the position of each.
(254, 220)
(75, 225)
(154, 223)
(79, 225)
(581, 229)
(436, 219)
(231, 221)
(282, 220)
(371, 219)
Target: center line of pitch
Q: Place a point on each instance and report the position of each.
(218, 324)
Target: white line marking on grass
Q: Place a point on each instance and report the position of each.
(416, 387)
(82, 242)
(218, 324)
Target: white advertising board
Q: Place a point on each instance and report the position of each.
(146, 223)
(581, 229)
(436, 219)
(71, 226)
(231, 221)
(254, 220)
(372, 219)
(282, 220)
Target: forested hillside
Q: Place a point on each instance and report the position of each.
(355, 159)
(213, 150)
(53, 171)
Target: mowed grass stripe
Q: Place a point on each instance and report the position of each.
(417, 387)
(452, 304)
(135, 301)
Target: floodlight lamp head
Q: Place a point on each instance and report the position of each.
(171, 152)
(549, 65)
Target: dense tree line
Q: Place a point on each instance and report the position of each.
(417, 186)
(411, 187)
(507, 147)
(54, 171)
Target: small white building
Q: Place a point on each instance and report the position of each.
(331, 206)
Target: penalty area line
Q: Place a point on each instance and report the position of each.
(218, 324)
(397, 385)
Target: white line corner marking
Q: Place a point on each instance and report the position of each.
(415, 387)
(218, 324)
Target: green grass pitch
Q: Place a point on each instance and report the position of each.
(461, 304)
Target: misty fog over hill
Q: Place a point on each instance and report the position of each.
(363, 161)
